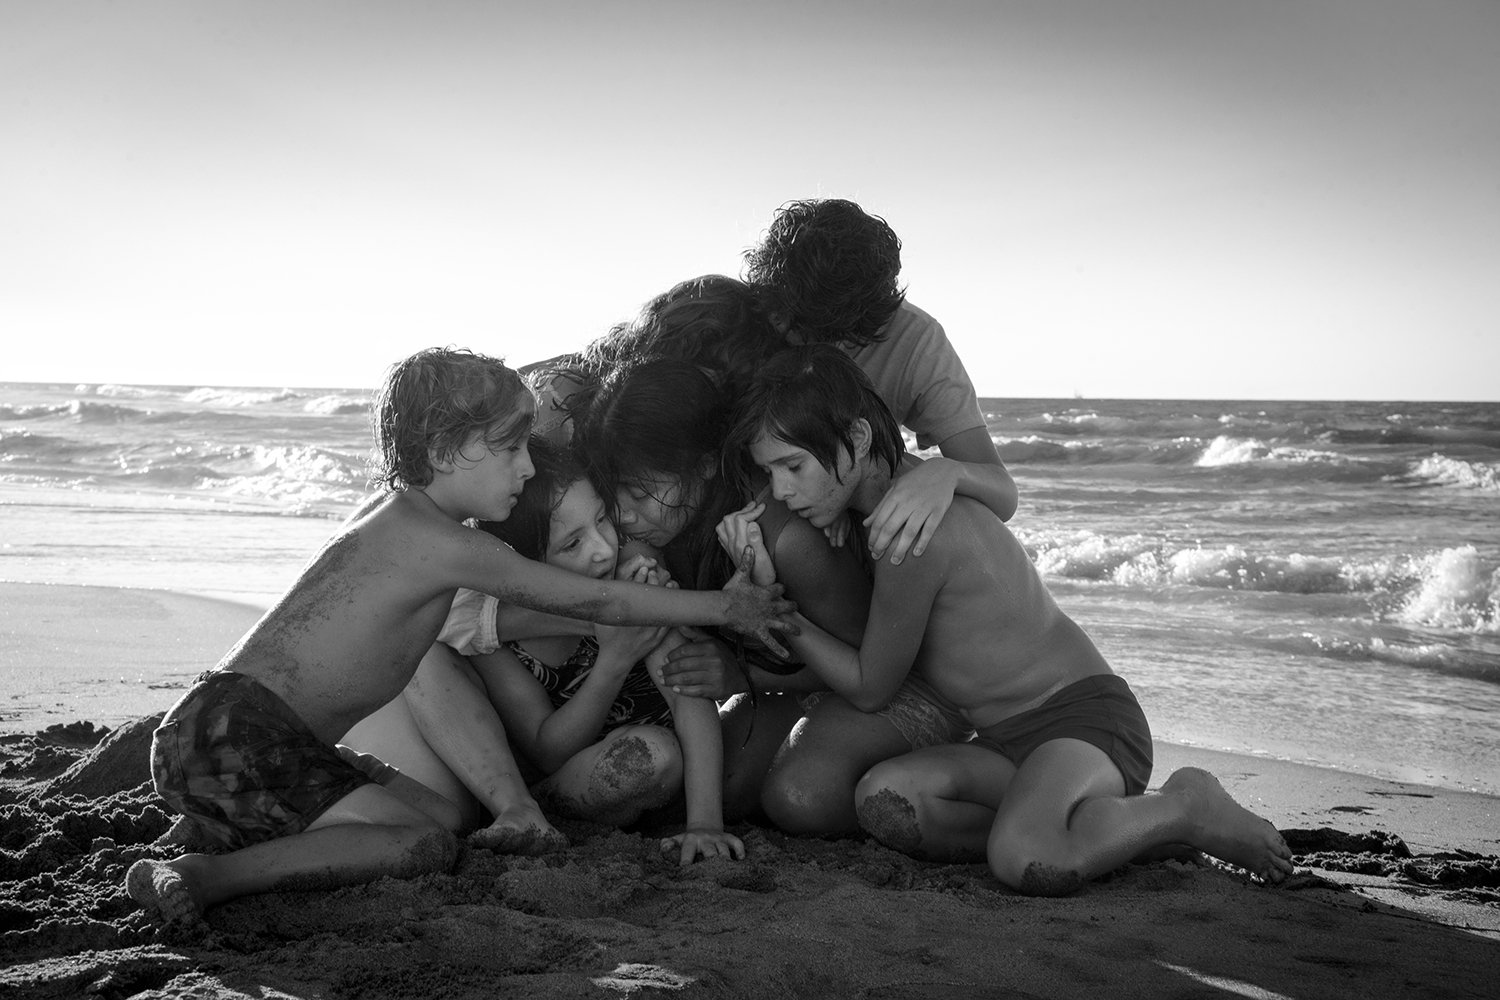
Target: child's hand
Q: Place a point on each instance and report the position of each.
(837, 531)
(738, 530)
(621, 647)
(701, 668)
(755, 610)
(912, 509)
(633, 568)
(709, 843)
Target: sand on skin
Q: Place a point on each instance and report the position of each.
(798, 917)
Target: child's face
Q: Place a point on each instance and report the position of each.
(807, 486)
(492, 476)
(581, 537)
(655, 510)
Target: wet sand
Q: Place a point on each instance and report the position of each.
(1397, 891)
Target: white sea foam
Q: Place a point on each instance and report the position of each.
(122, 391)
(1454, 592)
(1139, 560)
(335, 405)
(210, 396)
(1444, 471)
(1224, 450)
(304, 479)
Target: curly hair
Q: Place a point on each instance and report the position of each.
(714, 321)
(435, 402)
(528, 529)
(810, 397)
(830, 269)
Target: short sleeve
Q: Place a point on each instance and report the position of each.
(470, 627)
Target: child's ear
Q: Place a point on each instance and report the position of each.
(440, 463)
(708, 467)
(861, 435)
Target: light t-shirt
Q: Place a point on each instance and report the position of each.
(919, 375)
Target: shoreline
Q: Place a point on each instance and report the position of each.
(81, 649)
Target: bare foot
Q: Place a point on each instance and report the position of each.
(163, 891)
(1227, 830)
(521, 829)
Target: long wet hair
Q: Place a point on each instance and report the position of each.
(713, 321)
(648, 420)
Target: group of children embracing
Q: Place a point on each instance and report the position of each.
(685, 578)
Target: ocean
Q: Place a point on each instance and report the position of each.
(1311, 581)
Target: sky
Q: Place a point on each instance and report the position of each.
(1230, 199)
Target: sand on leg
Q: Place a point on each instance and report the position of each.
(453, 711)
(632, 770)
(810, 787)
(1065, 820)
(937, 803)
(368, 834)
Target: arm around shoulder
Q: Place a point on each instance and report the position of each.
(983, 475)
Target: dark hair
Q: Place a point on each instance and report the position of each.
(529, 526)
(714, 321)
(661, 417)
(830, 269)
(432, 403)
(810, 397)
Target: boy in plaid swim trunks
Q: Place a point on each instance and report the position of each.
(250, 751)
(1052, 790)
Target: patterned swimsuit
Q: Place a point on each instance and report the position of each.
(639, 703)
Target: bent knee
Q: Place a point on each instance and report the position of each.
(808, 801)
(1032, 865)
(638, 760)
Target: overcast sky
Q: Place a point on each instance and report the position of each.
(1148, 198)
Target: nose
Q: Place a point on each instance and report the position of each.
(781, 486)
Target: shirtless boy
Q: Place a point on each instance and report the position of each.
(249, 751)
(1052, 792)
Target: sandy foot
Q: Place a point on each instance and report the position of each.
(505, 836)
(1227, 830)
(163, 891)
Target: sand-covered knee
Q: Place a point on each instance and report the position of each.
(629, 769)
(1045, 880)
(890, 819)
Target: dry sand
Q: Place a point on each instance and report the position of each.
(1410, 910)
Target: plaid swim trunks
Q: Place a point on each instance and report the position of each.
(234, 757)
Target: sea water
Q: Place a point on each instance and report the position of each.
(1312, 581)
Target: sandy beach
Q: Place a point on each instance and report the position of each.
(1397, 891)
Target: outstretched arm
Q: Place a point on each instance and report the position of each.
(918, 500)
(474, 559)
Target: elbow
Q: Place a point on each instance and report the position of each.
(1009, 499)
(870, 701)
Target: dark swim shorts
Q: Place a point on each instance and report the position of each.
(1100, 710)
(234, 757)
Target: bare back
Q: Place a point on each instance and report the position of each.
(994, 641)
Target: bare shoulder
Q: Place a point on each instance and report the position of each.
(406, 529)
